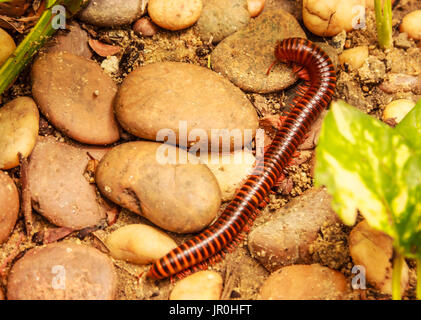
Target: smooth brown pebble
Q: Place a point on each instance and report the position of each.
(74, 41)
(7, 46)
(188, 95)
(62, 271)
(76, 96)
(19, 126)
(111, 13)
(145, 178)
(202, 285)
(139, 244)
(175, 14)
(373, 250)
(9, 206)
(60, 191)
(304, 282)
(286, 238)
(145, 27)
(411, 24)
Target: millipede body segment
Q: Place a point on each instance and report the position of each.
(311, 63)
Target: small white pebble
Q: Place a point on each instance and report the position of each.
(110, 65)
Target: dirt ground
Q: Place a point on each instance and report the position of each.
(242, 274)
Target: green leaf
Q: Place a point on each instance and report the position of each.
(369, 167)
(410, 127)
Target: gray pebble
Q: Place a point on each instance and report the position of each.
(221, 18)
(108, 13)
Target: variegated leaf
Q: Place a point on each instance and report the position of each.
(410, 127)
(371, 168)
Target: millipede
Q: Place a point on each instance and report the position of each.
(311, 64)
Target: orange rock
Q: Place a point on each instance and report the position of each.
(304, 282)
(63, 271)
(175, 14)
(102, 49)
(76, 96)
(145, 27)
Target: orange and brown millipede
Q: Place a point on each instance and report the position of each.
(313, 65)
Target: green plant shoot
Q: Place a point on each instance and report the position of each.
(372, 168)
(41, 32)
(383, 10)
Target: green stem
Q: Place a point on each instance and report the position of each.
(24, 53)
(384, 22)
(419, 279)
(396, 276)
(26, 50)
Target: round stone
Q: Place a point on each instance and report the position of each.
(202, 285)
(62, 271)
(157, 181)
(175, 14)
(19, 125)
(304, 282)
(76, 96)
(109, 13)
(411, 24)
(60, 191)
(191, 103)
(145, 27)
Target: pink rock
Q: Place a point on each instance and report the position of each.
(145, 27)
